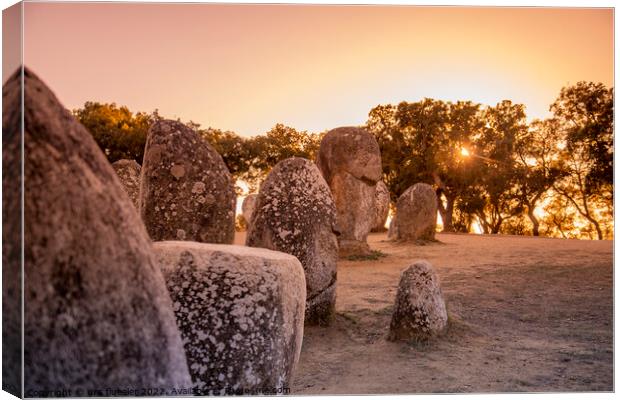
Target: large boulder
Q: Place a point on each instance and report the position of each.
(97, 313)
(240, 311)
(382, 207)
(128, 172)
(416, 214)
(420, 310)
(350, 161)
(247, 207)
(295, 214)
(186, 190)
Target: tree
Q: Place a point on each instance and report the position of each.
(119, 133)
(585, 115)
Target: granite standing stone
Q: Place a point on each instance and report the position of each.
(295, 214)
(247, 207)
(382, 207)
(186, 190)
(416, 214)
(128, 172)
(97, 313)
(240, 311)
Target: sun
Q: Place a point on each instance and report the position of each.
(465, 152)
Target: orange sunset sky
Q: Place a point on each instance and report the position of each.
(247, 67)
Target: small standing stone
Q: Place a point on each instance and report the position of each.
(350, 161)
(247, 207)
(186, 190)
(416, 214)
(420, 310)
(382, 207)
(128, 172)
(295, 214)
(240, 311)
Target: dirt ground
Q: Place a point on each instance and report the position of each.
(525, 314)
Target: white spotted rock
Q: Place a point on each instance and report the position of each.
(186, 190)
(240, 311)
(350, 161)
(295, 214)
(420, 310)
(416, 214)
(97, 313)
(382, 207)
(247, 207)
(128, 172)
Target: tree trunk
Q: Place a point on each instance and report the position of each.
(535, 223)
(446, 213)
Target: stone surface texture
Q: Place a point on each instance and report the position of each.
(186, 190)
(382, 207)
(350, 161)
(247, 207)
(420, 310)
(240, 311)
(416, 214)
(295, 214)
(97, 313)
(128, 172)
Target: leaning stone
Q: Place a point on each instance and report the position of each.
(416, 214)
(128, 172)
(295, 214)
(420, 310)
(382, 207)
(350, 161)
(247, 207)
(240, 311)
(97, 313)
(186, 190)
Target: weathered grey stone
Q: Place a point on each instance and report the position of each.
(97, 313)
(186, 190)
(391, 235)
(350, 161)
(416, 214)
(382, 207)
(247, 207)
(295, 214)
(128, 172)
(240, 311)
(420, 310)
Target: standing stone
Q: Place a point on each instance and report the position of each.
(187, 192)
(247, 207)
(350, 161)
(391, 235)
(382, 206)
(240, 311)
(128, 172)
(295, 214)
(97, 313)
(420, 310)
(416, 214)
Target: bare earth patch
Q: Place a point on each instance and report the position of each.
(525, 314)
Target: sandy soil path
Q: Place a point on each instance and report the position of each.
(525, 314)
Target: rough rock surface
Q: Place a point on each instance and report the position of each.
(247, 207)
(97, 312)
(240, 311)
(391, 234)
(186, 190)
(295, 214)
(382, 206)
(128, 172)
(416, 214)
(350, 161)
(420, 310)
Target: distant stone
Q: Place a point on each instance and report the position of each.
(416, 214)
(382, 207)
(420, 310)
(97, 313)
(350, 161)
(247, 207)
(391, 235)
(187, 192)
(240, 311)
(295, 214)
(128, 172)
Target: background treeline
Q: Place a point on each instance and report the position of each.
(551, 177)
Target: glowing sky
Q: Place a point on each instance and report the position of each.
(247, 67)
